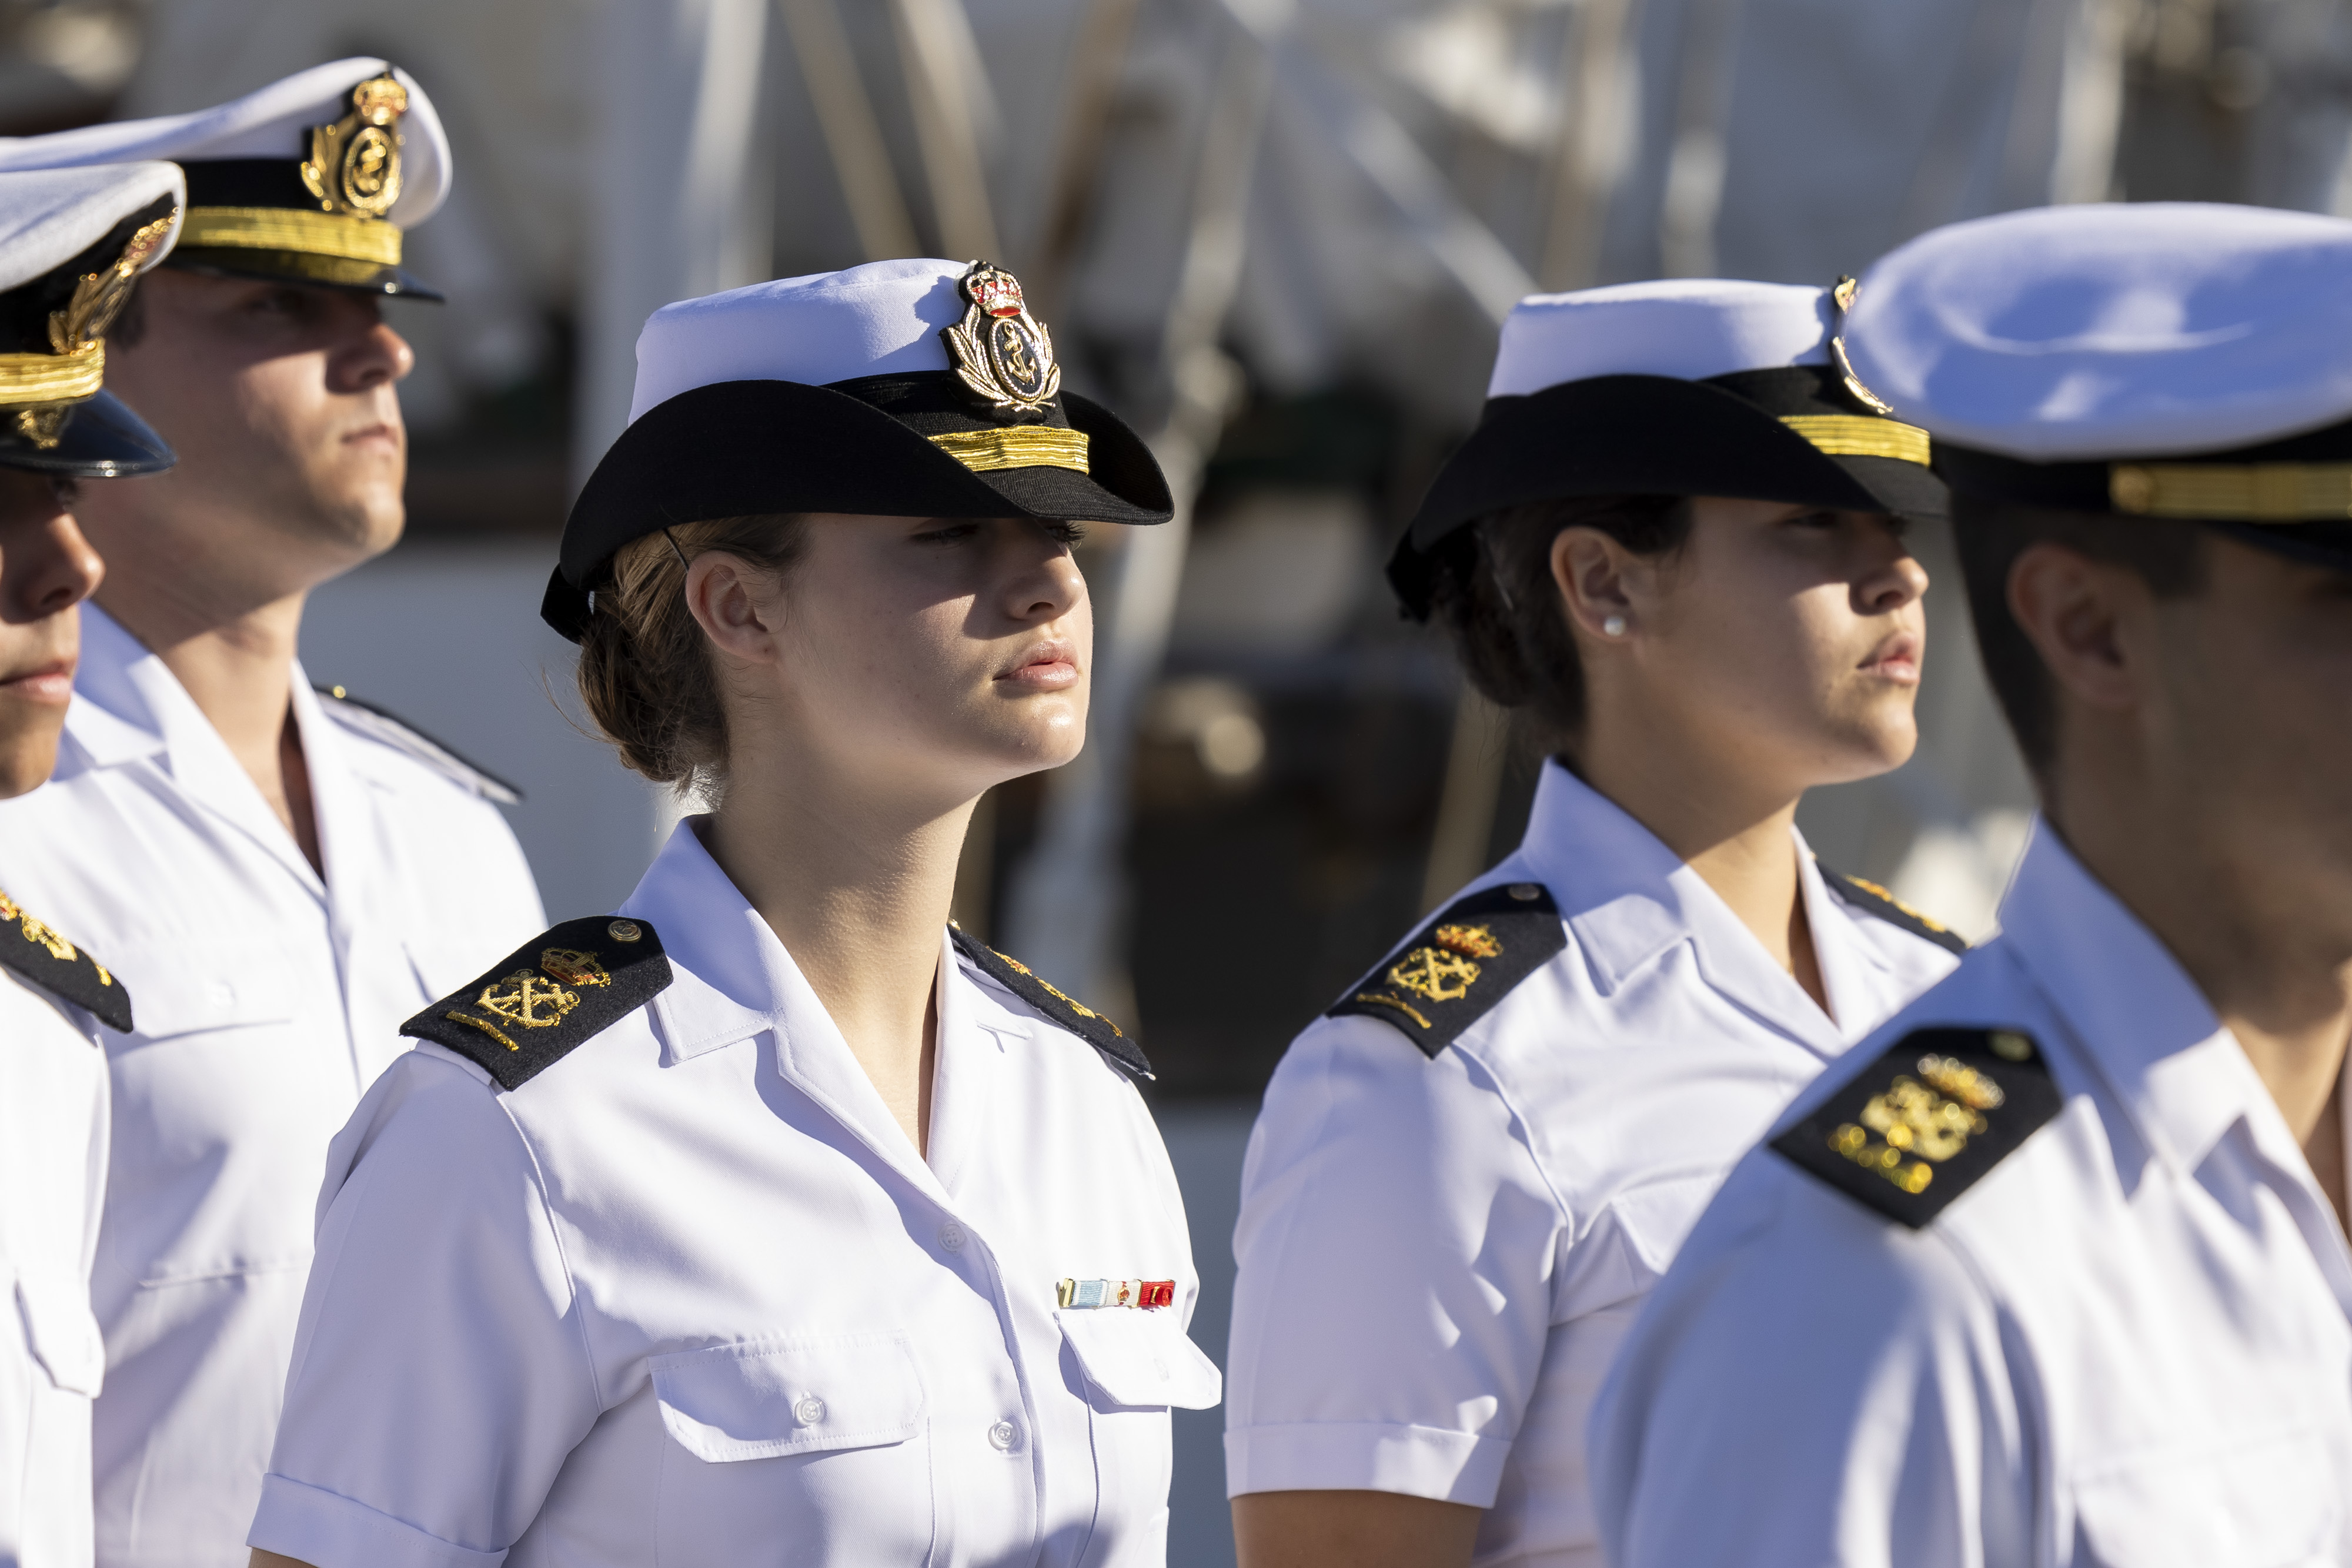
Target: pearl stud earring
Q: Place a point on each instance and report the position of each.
(1614, 626)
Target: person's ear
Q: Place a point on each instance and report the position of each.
(1600, 582)
(733, 604)
(2091, 622)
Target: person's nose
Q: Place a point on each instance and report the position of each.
(377, 357)
(55, 569)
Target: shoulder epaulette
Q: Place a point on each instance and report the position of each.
(1461, 964)
(1927, 1120)
(396, 732)
(35, 951)
(549, 997)
(1057, 1005)
(1873, 899)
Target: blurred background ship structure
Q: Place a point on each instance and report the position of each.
(1278, 235)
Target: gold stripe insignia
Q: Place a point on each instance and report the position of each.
(52, 377)
(1015, 446)
(290, 228)
(1861, 435)
(2233, 492)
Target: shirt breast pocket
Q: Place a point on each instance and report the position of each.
(820, 1444)
(2271, 1503)
(1131, 1366)
(61, 1331)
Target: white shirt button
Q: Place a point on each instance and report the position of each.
(809, 1411)
(951, 1237)
(1004, 1437)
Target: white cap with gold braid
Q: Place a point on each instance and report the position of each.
(314, 179)
(72, 243)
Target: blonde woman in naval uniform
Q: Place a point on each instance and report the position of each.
(72, 243)
(1674, 548)
(772, 1218)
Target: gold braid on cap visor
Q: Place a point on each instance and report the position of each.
(1015, 446)
(36, 379)
(291, 228)
(1861, 435)
(2233, 492)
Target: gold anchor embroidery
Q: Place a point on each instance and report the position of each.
(1434, 973)
(524, 994)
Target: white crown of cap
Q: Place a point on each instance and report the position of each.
(273, 123)
(2113, 330)
(49, 216)
(1689, 328)
(882, 318)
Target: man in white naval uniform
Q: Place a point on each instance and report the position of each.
(2053, 1271)
(71, 245)
(283, 876)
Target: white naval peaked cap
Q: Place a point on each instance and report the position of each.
(49, 216)
(882, 318)
(2113, 330)
(273, 122)
(1687, 328)
(71, 243)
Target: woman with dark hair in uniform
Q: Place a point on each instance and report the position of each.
(1675, 549)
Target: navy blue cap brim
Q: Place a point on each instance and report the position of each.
(302, 267)
(99, 439)
(743, 448)
(1652, 435)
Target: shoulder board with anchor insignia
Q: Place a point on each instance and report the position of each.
(1872, 899)
(1927, 1121)
(550, 996)
(35, 951)
(1460, 964)
(396, 732)
(1063, 1009)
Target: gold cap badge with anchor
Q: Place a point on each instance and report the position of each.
(1005, 357)
(353, 173)
(1002, 352)
(354, 163)
(38, 389)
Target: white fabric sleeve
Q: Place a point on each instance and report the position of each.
(440, 1373)
(1398, 1249)
(1812, 1384)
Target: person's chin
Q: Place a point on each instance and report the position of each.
(28, 747)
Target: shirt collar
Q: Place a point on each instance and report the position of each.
(732, 978)
(129, 705)
(111, 720)
(1629, 899)
(732, 983)
(2147, 1028)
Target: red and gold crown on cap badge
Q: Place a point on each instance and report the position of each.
(1002, 352)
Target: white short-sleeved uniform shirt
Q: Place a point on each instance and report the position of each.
(689, 1295)
(2124, 1343)
(268, 1000)
(1440, 1255)
(53, 1130)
